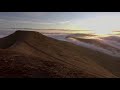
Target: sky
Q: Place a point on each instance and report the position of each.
(54, 20)
(99, 22)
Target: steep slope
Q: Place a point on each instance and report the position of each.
(31, 54)
(109, 60)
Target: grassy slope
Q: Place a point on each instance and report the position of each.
(47, 57)
(109, 62)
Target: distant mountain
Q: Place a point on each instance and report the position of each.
(31, 54)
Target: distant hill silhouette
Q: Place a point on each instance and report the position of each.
(31, 54)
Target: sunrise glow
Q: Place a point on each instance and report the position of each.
(100, 23)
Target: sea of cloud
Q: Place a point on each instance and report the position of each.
(112, 41)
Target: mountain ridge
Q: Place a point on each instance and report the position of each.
(52, 58)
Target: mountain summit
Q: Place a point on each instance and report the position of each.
(31, 54)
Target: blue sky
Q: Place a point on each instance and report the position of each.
(104, 21)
